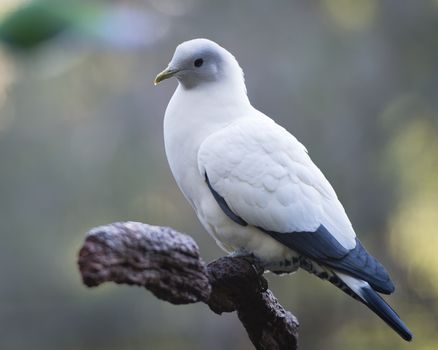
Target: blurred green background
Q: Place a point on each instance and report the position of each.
(81, 145)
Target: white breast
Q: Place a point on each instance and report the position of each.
(183, 134)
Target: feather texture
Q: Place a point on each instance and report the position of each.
(267, 178)
(253, 185)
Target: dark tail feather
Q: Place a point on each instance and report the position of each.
(362, 291)
(375, 302)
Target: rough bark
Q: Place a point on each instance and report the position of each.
(167, 263)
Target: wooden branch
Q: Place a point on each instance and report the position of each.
(168, 264)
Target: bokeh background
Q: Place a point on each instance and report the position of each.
(81, 145)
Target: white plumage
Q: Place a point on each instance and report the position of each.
(267, 178)
(253, 185)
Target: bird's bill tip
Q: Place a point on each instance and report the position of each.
(165, 74)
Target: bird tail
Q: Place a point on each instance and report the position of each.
(375, 302)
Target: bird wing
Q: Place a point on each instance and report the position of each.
(262, 175)
(267, 178)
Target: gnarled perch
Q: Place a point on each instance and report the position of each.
(168, 264)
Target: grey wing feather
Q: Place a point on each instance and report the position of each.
(322, 247)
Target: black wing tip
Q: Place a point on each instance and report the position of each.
(322, 247)
(376, 303)
(384, 287)
(361, 264)
(390, 288)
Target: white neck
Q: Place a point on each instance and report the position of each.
(215, 103)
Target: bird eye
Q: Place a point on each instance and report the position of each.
(198, 62)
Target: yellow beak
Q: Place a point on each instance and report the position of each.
(165, 74)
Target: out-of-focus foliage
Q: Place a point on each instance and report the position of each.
(33, 23)
(416, 144)
(30, 25)
(81, 145)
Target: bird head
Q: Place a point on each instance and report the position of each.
(201, 61)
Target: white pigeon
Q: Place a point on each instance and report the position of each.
(253, 185)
